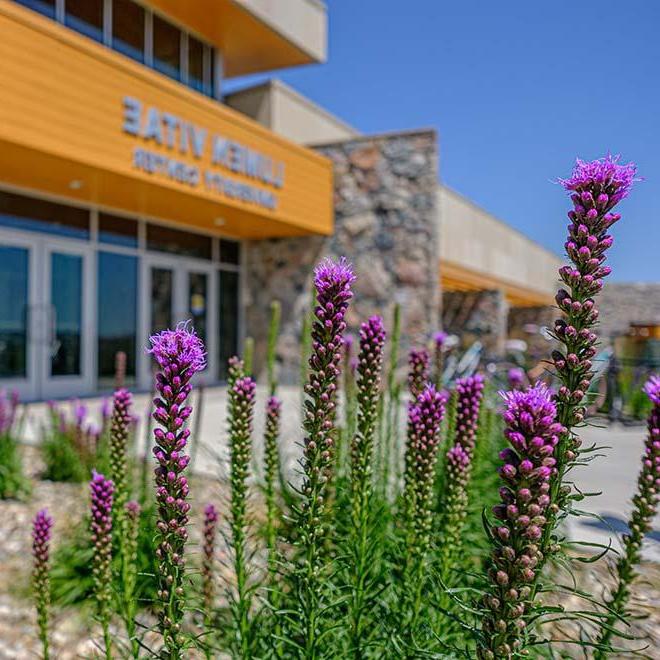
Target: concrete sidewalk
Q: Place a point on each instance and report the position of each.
(614, 476)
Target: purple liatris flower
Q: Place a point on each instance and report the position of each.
(179, 354)
(469, 393)
(424, 420)
(102, 491)
(455, 505)
(271, 475)
(533, 433)
(235, 370)
(516, 378)
(333, 281)
(418, 372)
(645, 506)
(119, 433)
(604, 178)
(370, 363)
(208, 558)
(241, 410)
(439, 347)
(596, 188)
(41, 529)
(440, 339)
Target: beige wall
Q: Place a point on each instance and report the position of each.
(302, 22)
(288, 113)
(473, 239)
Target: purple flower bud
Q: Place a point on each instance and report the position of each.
(418, 371)
(41, 531)
(208, 559)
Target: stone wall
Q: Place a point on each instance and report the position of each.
(622, 304)
(385, 224)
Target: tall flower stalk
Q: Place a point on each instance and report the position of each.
(119, 432)
(179, 354)
(369, 367)
(131, 526)
(645, 506)
(248, 355)
(424, 421)
(209, 534)
(418, 378)
(533, 433)
(241, 410)
(418, 371)
(596, 187)
(469, 393)
(41, 531)
(439, 346)
(102, 492)
(271, 477)
(333, 282)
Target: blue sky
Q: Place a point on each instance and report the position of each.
(516, 89)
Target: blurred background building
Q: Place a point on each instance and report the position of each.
(134, 194)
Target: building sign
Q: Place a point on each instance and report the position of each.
(221, 158)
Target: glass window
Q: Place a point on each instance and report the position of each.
(13, 312)
(85, 16)
(162, 288)
(117, 313)
(46, 7)
(33, 214)
(128, 28)
(66, 298)
(167, 48)
(116, 230)
(230, 252)
(196, 64)
(175, 241)
(209, 76)
(228, 314)
(198, 303)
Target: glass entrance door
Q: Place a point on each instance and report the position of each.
(16, 356)
(46, 321)
(177, 290)
(68, 333)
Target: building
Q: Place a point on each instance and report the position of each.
(126, 185)
(133, 194)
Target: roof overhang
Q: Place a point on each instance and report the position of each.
(256, 35)
(455, 277)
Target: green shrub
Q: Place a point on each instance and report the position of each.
(71, 448)
(72, 581)
(13, 482)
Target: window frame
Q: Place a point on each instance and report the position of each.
(212, 57)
